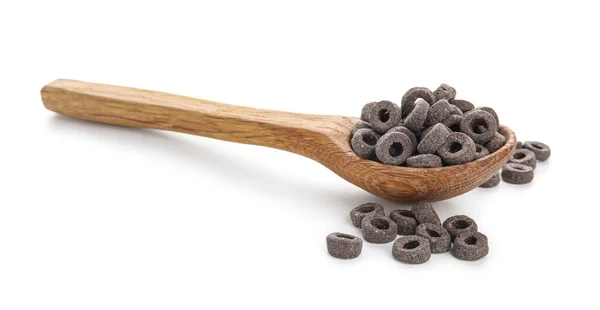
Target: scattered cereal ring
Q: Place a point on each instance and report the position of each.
(416, 118)
(379, 229)
(492, 181)
(433, 139)
(438, 112)
(495, 143)
(363, 142)
(458, 149)
(480, 151)
(394, 148)
(409, 98)
(479, 125)
(360, 125)
(517, 173)
(366, 209)
(344, 246)
(439, 238)
(424, 161)
(405, 220)
(523, 157)
(464, 105)
(411, 249)
(364, 114)
(470, 246)
(541, 150)
(459, 224)
(444, 91)
(425, 213)
(384, 115)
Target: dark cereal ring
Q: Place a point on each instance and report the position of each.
(394, 148)
(496, 143)
(416, 118)
(364, 114)
(425, 213)
(453, 122)
(517, 173)
(480, 151)
(363, 142)
(458, 149)
(344, 246)
(523, 157)
(407, 132)
(470, 246)
(519, 145)
(479, 125)
(493, 181)
(444, 91)
(438, 112)
(464, 105)
(492, 112)
(360, 125)
(424, 161)
(433, 139)
(409, 98)
(541, 151)
(367, 209)
(439, 238)
(412, 249)
(384, 115)
(379, 229)
(405, 220)
(459, 224)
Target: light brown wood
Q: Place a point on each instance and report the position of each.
(325, 139)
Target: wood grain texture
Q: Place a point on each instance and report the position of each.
(325, 139)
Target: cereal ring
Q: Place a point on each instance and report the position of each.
(444, 91)
(438, 112)
(479, 125)
(407, 132)
(480, 151)
(434, 139)
(495, 143)
(366, 209)
(424, 161)
(344, 246)
(405, 220)
(470, 246)
(363, 142)
(394, 148)
(379, 229)
(464, 105)
(384, 115)
(453, 122)
(459, 224)
(360, 125)
(416, 118)
(439, 238)
(541, 150)
(492, 181)
(517, 173)
(492, 112)
(523, 157)
(409, 98)
(425, 213)
(458, 149)
(364, 114)
(411, 249)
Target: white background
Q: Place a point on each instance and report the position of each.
(101, 217)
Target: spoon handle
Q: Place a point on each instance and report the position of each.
(124, 106)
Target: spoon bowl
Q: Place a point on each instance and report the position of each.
(323, 138)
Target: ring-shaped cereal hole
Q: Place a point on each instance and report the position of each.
(460, 224)
(396, 149)
(366, 208)
(455, 147)
(479, 126)
(380, 223)
(432, 233)
(518, 155)
(471, 240)
(369, 139)
(384, 115)
(406, 213)
(411, 245)
(344, 236)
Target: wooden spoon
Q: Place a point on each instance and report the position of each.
(323, 138)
